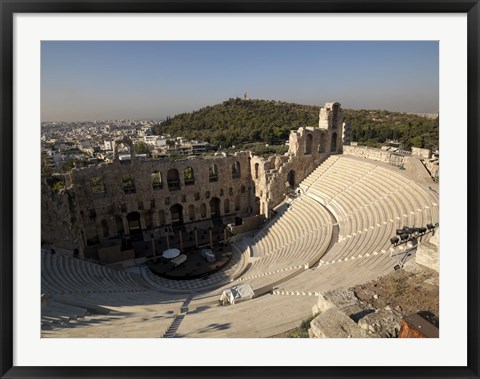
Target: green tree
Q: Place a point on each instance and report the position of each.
(141, 148)
(417, 141)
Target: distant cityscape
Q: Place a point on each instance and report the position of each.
(91, 142)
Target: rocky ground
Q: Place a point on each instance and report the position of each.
(379, 306)
(412, 290)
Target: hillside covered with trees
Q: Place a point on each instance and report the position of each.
(240, 122)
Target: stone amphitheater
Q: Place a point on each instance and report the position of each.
(321, 218)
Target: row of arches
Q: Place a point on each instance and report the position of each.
(179, 215)
(322, 143)
(173, 179)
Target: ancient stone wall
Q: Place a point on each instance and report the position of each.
(151, 191)
(119, 198)
(60, 218)
(374, 154)
(308, 148)
(423, 153)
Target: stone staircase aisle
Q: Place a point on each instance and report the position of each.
(172, 329)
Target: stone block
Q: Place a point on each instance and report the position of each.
(427, 255)
(340, 298)
(333, 323)
(384, 323)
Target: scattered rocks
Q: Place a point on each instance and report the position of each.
(384, 322)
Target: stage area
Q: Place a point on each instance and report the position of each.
(196, 266)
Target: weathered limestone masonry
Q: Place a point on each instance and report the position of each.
(374, 154)
(149, 196)
(308, 147)
(163, 193)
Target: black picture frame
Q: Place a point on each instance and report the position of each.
(10, 8)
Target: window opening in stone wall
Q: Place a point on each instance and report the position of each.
(173, 179)
(213, 173)
(321, 146)
(291, 179)
(237, 203)
(256, 170)
(191, 212)
(97, 185)
(119, 225)
(203, 210)
(176, 214)
(226, 206)
(189, 176)
(133, 219)
(236, 170)
(128, 184)
(148, 219)
(157, 183)
(334, 143)
(308, 144)
(215, 208)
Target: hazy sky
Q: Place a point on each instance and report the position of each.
(138, 80)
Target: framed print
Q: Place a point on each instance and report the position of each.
(239, 189)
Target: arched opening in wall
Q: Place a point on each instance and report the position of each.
(97, 185)
(124, 151)
(203, 210)
(256, 170)
(226, 206)
(291, 179)
(157, 183)
(173, 179)
(237, 203)
(188, 176)
(257, 206)
(308, 144)
(176, 214)
(215, 208)
(148, 219)
(321, 146)
(105, 228)
(236, 170)
(213, 173)
(161, 217)
(119, 225)
(191, 212)
(128, 184)
(133, 219)
(334, 143)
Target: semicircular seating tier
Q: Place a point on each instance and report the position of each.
(335, 235)
(293, 241)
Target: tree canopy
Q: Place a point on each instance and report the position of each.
(237, 122)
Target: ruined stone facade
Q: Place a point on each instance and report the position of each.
(151, 196)
(308, 147)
